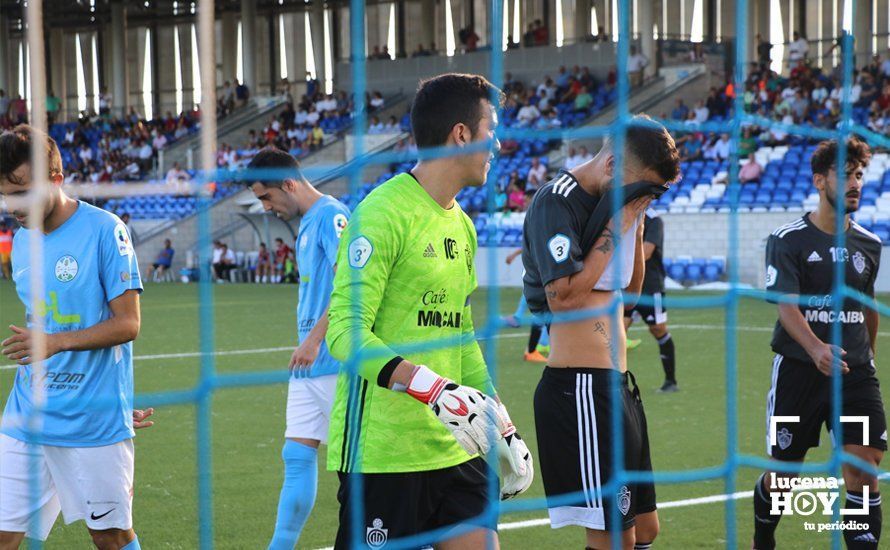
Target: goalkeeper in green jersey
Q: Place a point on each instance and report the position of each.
(422, 408)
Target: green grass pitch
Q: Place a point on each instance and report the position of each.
(687, 429)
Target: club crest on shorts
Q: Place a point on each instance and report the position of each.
(376, 535)
(783, 438)
(624, 500)
(859, 262)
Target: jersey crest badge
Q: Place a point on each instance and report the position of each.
(771, 275)
(360, 250)
(559, 247)
(376, 535)
(859, 262)
(339, 224)
(122, 239)
(66, 269)
(624, 500)
(783, 438)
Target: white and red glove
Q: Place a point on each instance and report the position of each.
(472, 417)
(513, 451)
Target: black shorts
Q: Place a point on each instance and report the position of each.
(157, 265)
(405, 504)
(800, 389)
(652, 314)
(573, 420)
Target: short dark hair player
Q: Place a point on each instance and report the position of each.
(655, 314)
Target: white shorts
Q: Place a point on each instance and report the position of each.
(94, 484)
(309, 403)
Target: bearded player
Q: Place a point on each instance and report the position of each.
(800, 262)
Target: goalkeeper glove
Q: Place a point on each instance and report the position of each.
(471, 416)
(512, 449)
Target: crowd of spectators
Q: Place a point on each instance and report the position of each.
(807, 95)
(303, 127)
(102, 149)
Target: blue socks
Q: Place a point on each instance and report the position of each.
(133, 545)
(297, 494)
(545, 337)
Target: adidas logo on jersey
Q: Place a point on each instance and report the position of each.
(430, 252)
(814, 257)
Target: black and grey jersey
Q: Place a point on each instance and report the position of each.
(551, 236)
(653, 232)
(800, 259)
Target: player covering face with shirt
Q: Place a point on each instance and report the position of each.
(570, 269)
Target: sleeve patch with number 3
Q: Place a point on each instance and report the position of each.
(559, 247)
(360, 251)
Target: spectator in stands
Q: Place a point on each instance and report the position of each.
(377, 101)
(748, 143)
(311, 84)
(282, 254)
(527, 115)
(263, 265)
(528, 39)
(4, 106)
(225, 264)
(5, 249)
(690, 147)
(85, 153)
(701, 112)
(316, 138)
(763, 50)
(681, 111)
(177, 174)
(392, 126)
(515, 197)
(18, 111)
(104, 102)
(636, 63)
(537, 175)
(469, 39)
(797, 49)
(583, 100)
(162, 263)
(376, 127)
(722, 147)
(53, 106)
(584, 154)
(242, 93)
(715, 103)
(562, 79)
(750, 171)
(228, 96)
(158, 141)
(541, 33)
(420, 52)
(573, 159)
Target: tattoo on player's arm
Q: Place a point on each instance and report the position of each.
(550, 292)
(606, 242)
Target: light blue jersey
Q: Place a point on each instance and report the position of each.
(87, 262)
(316, 248)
